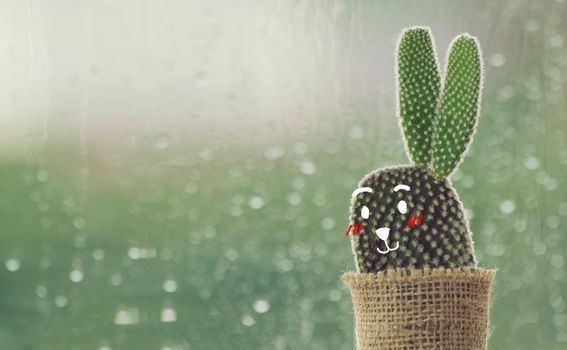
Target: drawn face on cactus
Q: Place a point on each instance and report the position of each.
(411, 215)
(383, 233)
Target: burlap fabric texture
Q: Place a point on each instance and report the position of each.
(423, 309)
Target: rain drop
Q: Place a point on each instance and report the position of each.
(531, 163)
(13, 265)
(76, 276)
(497, 60)
(248, 321)
(42, 175)
(274, 152)
(168, 314)
(261, 306)
(98, 254)
(79, 222)
(162, 142)
(127, 316)
(41, 291)
(60, 301)
(507, 207)
(327, 223)
(170, 286)
(256, 202)
(308, 168)
(294, 198)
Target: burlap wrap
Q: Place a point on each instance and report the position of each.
(429, 309)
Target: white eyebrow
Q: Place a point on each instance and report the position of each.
(401, 187)
(360, 190)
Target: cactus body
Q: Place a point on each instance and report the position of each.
(442, 239)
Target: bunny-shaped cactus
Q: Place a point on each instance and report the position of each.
(411, 215)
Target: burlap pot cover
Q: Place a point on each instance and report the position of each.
(424, 309)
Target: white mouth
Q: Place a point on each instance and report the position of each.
(383, 233)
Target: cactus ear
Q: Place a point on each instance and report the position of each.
(459, 105)
(419, 85)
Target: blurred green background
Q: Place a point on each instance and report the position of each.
(176, 175)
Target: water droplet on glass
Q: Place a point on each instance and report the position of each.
(127, 316)
(231, 254)
(42, 175)
(520, 225)
(284, 265)
(162, 142)
(497, 60)
(79, 222)
(76, 276)
(495, 249)
(206, 154)
(308, 168)
(327, 223)
(61, 301)
(506, 93)
(45, 262)
(551, 184)
(531, 163)
(191, 187)
(274, 152)
(41, 291)
(248, 321)
(168, 314)
(80, 241)
(256, 202)
(235, 210)
(13, 265)
(294, 198)
(134, 253)
(298, 183)
(98, 254)
(116, 279)
(539, 248)
(170, 286)
(261, 306)
(507, 207)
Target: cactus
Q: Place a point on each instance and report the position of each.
(419, 83)
(411, 215)
(458, 111)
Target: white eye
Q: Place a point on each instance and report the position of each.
(365, 212)
(403, 207)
